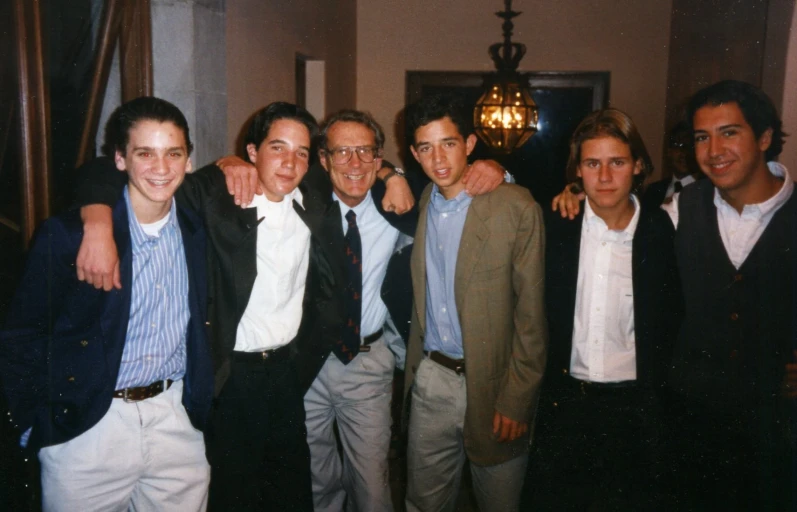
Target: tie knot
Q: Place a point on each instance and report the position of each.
(352, 218)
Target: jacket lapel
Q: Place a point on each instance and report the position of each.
(117, 306)
(474, 237)
(418, 260)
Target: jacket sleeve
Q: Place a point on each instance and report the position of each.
(520, 390)
(98, 182)
(47, 280)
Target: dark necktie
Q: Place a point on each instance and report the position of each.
(349, 344)
(677, 187)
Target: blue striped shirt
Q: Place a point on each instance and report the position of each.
(444, 223)
(155, 344)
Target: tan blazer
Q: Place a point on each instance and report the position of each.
(499, 291)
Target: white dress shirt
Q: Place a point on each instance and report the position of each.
(378, 240)
(740, 232)
(274, 311)
(604, 346)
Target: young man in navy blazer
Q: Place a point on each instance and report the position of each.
(113, 388)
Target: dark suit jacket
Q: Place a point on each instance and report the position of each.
(63, 341)
(396, 289)
(658, 304)
(232, 260)
(655, 192)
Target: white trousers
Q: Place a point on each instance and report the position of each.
(436, 449)
(357, 396)
(141, 456)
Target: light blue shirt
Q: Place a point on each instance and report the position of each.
(155, 344)
(378, 239)
(445, 220)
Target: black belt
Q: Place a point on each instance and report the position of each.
(588, 388)
(370, 339)
(273, 355)
(455, 365)
(142, 392)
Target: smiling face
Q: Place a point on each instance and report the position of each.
(350, 181)
(727, 149)
(282, 158)
(607, 169)
(443, 153)
(156, 160)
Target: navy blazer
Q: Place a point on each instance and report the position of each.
(658, 301)
(62, 345)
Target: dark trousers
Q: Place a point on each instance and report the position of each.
(257, 440)
(595, 449)
(729, 461)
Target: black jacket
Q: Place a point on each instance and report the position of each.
(658, 303)
(232, 261)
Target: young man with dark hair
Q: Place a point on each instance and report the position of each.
(613, 305)
(113, 388)
(734, 367)
(478, 336)
(268, 281)
(733, 372)
(350, 378)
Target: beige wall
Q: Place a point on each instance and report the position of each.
(627, 37)
(263, 38)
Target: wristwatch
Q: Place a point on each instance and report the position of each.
(396, 171)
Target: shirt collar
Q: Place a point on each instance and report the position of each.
(443, 205)
(137, 234)
(591, 220)
(686, 180)
(262, 201)
(359, 209)
(771, 204)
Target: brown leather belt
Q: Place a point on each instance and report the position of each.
(142, 392)
(455, 365)
(370, 339)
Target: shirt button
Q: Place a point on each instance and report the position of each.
(157, 287)
(440, 247)
(444, 310)
(445, 338)
(152, 325)
(445, 215)
(603, 243)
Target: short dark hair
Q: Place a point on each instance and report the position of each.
(609, 122)
(435, 107)
(122, 120)
(265, 117)
(757, 109)
(351, 116)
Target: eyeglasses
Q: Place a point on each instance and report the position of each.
(343, 154)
